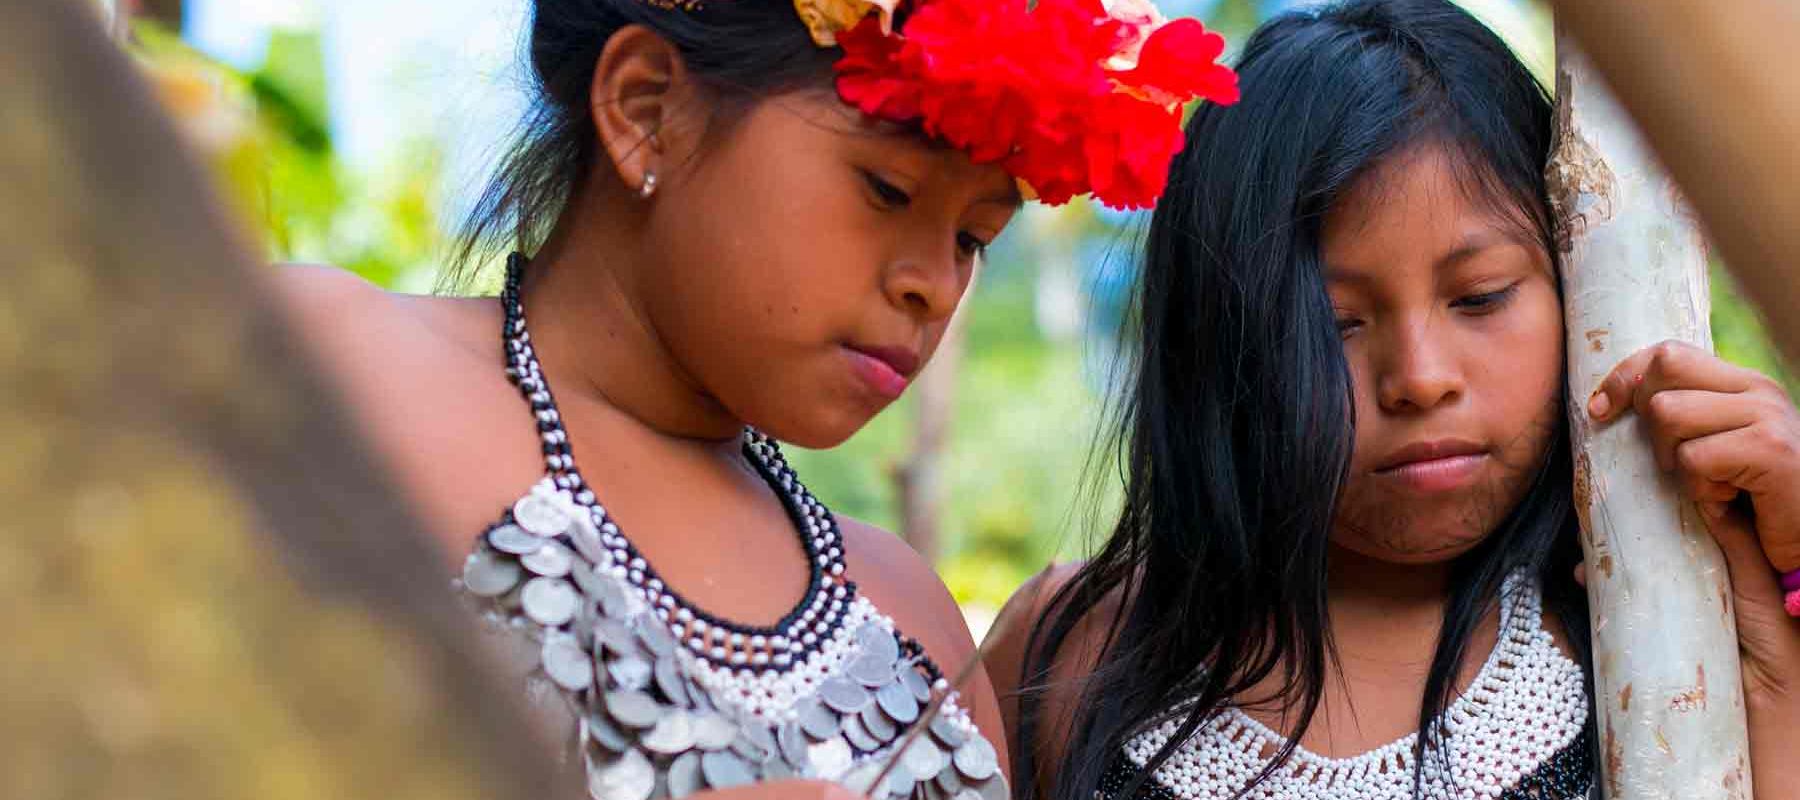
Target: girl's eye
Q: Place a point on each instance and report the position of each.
(888, 194)
(1487, 302)
(971, 246)
(1347, 326)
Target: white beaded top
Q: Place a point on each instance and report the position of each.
(1527, 704)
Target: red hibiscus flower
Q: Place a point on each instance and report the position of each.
(1067, 98)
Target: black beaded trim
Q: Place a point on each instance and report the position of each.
(916, 651)
(804, 511)
(1568, 775)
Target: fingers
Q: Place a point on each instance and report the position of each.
(1714, 467)
(1720, 427)
(1751, 575)
(1662, 367)
(1766, 634)
(1675, 416)
(1757, 460)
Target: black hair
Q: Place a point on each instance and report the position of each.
(1236, 431)
(741, 50)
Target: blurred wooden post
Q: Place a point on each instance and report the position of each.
(211, 590)
(1668, 696)
(920, 479)
(169, 13)
(1716, 90)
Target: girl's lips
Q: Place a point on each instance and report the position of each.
(882, 375)
(1437, 474)
(903, 360)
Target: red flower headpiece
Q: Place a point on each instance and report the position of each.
(1069, 96)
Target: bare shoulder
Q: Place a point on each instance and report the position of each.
(341, 314)
(1008, 651)
(900, 582)
(423, 379)
(306, 285)
(875, 554)
(1010, 636)
(338, 314)
(904, 586)
(320, 298)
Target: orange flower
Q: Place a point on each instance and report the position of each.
(825, 19)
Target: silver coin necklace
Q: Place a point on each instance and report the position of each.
(670, 699)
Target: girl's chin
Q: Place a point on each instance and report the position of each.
(1417, 549)
(818, 434)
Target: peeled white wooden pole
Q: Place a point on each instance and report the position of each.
(1668, 693)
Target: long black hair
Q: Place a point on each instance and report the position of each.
(740, 50)
(1237, 427)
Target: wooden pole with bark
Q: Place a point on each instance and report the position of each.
(211, 590)
(1668, 695)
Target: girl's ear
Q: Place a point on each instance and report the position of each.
(641, 101)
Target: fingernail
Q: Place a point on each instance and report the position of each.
(1599, 404)
(1712, 510)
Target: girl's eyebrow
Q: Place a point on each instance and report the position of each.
(1472, 244)
(1011, 199)
(1488, 239)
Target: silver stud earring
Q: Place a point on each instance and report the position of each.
(649, 187)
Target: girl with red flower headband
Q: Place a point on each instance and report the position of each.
(748, 222)
(1346, 565)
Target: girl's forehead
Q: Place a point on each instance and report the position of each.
(1422, 204)
(1404, 197)
(1425, 173)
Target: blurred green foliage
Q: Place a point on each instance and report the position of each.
(1739, 337)
(267, 131)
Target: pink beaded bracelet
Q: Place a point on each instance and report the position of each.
(1790, 584)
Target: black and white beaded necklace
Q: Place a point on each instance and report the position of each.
(665, 696)
(718, 640)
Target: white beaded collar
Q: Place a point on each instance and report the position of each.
(1527, 704)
